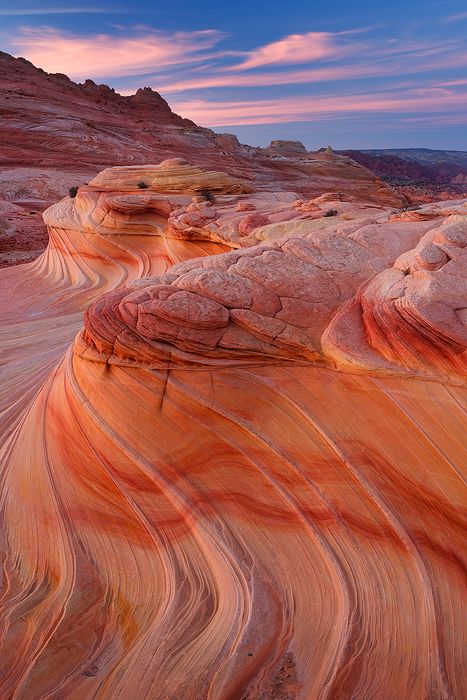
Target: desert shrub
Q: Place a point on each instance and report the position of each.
(73, 191)
(143, 185)
(207, 194)
(331, 212)
(409, 207)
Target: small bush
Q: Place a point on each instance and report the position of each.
(409, 207)
(331, 212)
(143, 185)
(207, 194)
(73, 191)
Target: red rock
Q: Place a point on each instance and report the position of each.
(47, 117)
(245, 206)
(333, 197)
(414, 215)
(242, 478)
(250, 222)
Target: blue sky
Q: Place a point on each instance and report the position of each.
(352, 75)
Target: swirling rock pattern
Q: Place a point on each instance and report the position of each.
(243, 479)
(97, 241)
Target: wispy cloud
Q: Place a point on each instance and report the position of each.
(295, 48)
(103, 55)
(302, 109)
(17, 12)
(181, 63)
(458, 119)
(386, 64)
(456, 18)
(451, 83)
(146, 52)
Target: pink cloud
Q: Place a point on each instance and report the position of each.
(452, 83)
(295, 48)
(353, 71)
(456, 18)
(99, 55)
(145, 51)
(315, 108)
(265, 79)
(438, 120)
(19, 12)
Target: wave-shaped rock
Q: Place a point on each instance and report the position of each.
(243, 477)
(96, 243)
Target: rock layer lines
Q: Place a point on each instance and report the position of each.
(243, 477)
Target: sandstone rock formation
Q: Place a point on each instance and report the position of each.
(97, 241)
(242, 478)
(45, 118)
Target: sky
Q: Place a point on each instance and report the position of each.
(360, 74)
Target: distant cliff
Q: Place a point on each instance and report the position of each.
(421, 173)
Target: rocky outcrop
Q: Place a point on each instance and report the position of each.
(176, 200)
(241, 478)
(175, 175)
(46, 117)
(268, 302)
(287, 148)
(113, 232)
(411, 318)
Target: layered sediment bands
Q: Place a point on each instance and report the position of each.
(97, 242)
(57, 134)
(47, 117)
(243, 478)
(234, 533)
(181, 201)
(171, 176)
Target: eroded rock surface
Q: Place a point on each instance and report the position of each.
(47, 117)
(242, 477)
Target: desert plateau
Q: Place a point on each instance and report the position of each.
(232, 377)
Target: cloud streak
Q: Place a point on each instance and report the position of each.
(103, 55)
(147, 52)
(389, 66)
(456, 18)
(309, 109)
(53, 11)
(144, 51)
(295, 48)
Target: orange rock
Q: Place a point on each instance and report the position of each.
(242, 478)
(414, 215)
(45, 118)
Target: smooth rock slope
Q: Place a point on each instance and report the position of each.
(242, 476)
